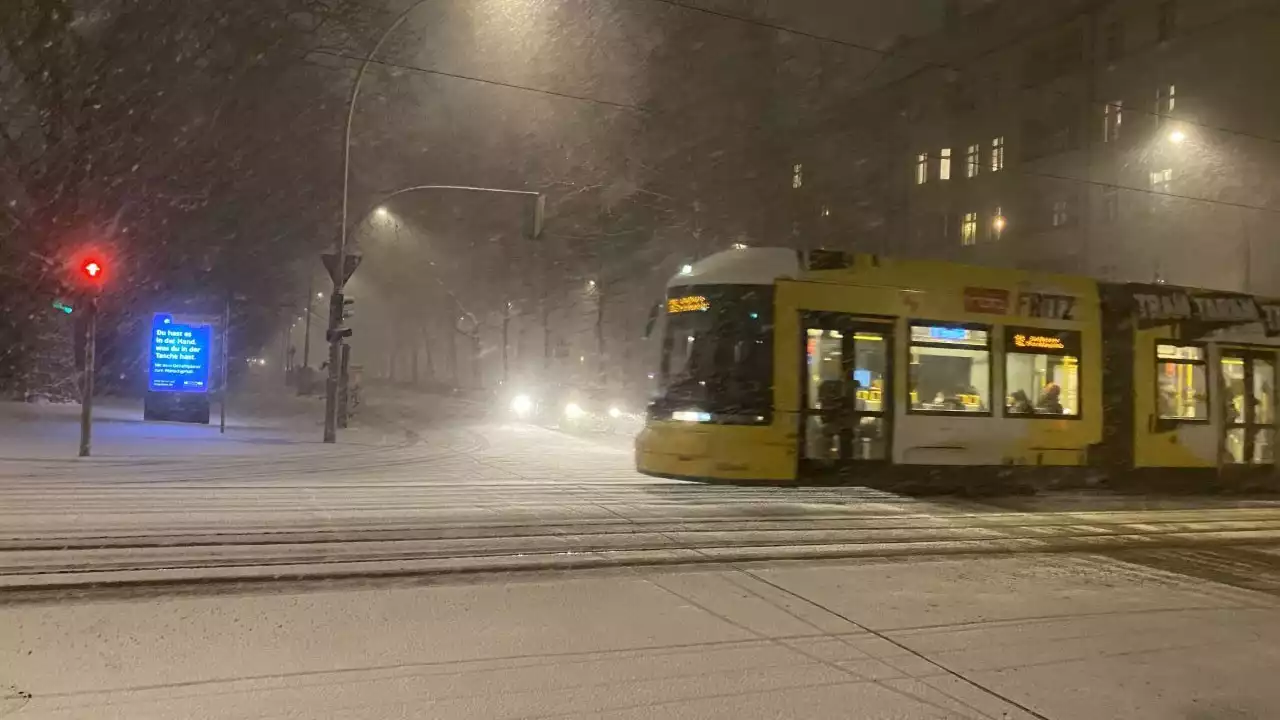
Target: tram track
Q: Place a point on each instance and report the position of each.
(22, 570)
(465, 500)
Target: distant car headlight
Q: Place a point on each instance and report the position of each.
(522, 405)
(615, 413)
(574, 411)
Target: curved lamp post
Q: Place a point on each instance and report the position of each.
(339, 281)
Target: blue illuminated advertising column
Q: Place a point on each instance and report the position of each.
(178, 370)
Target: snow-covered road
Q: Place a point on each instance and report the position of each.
(462, 494)
(415, 571)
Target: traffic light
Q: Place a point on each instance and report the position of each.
(93, 271)
(348, 311)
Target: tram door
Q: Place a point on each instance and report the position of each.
(1249, 392)
(846, 392)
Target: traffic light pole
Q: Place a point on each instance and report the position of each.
(335, 360)
(86, 385)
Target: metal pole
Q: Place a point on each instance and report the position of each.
(344, 387)
(226, 339)
(86, 387)
(339, 279)
(304, 377)
(506, 342)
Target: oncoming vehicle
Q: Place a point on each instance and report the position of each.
(574, 410)
(783, 368)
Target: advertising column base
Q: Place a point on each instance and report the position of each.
(176, 407)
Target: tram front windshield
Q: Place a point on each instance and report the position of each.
(717, 354)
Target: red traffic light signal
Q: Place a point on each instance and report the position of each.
(92, 270)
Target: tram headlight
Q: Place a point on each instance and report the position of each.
(574, 411)
(522, 405)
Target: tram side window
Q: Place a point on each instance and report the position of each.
(1182, 390)
(950, 369)
(1042, 372)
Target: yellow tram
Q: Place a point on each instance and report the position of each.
(780, 367)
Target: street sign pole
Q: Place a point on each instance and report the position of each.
(344, 388)
(331, 382)
(226, 335)
(86, 385)
(341, 265)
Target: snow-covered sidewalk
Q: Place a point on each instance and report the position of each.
(1059, 637)
(258, 425)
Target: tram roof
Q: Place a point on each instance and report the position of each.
(744, 266)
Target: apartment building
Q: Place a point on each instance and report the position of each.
(1124, 139)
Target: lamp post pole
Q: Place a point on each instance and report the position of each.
(334, 334)
(339, 274)
(304, 377)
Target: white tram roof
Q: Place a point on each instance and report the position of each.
(746, 266)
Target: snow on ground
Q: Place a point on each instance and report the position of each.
(1067, 638)
(429, 485)
(1177, 620)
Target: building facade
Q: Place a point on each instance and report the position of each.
(1127, 140)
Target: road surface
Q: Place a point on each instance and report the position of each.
(443, 564)
(461, 493)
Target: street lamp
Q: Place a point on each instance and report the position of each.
(340, 261)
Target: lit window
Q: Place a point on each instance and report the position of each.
(922, 168)
(797, 176)
(950, 369)
(969, 229)
(998, 223)
(944, 164)
(1162, 180)
(997, 154)
(1112, 117)
(1061, 215)
(1042, 372)
(972, 160)
(1167, 21)
(1182, 392)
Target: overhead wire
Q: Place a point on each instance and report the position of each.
(884, 54)
(1270, 9)
(486, 81)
